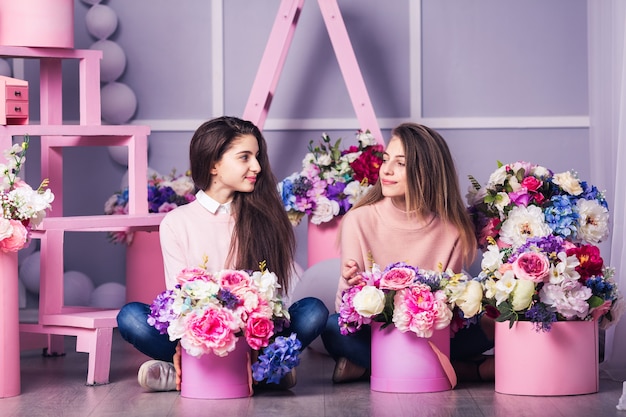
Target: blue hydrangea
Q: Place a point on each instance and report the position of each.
(277, 359)
(561, 217)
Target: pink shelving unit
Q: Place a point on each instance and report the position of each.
(92, 327)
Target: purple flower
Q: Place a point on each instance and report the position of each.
(161, 312)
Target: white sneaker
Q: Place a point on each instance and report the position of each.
(157, 376)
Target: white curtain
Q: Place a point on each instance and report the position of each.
(607, 111)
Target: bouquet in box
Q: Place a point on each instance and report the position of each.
(413, 299)
(538, 231)
(208, 312)
(165, 193)
(22, 207)
(332, 180)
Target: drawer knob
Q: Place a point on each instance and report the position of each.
(17, 108)
(18, 94)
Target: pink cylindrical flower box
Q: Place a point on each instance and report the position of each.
(404, 362)
(322, 241)
(37, 23)
(145, 276)
(563, 361)
(214, 377)
(9, 326)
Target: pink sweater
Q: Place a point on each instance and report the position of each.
(383, 233)
(188, 234)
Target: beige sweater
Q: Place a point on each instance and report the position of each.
(383, 233)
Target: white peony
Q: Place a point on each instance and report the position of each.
(594, 221)
(524, 223)
(470, 301)
(369, 302)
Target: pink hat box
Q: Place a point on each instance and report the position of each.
(563, 361)
(37, 23)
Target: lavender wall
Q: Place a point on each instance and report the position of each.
(501, 80)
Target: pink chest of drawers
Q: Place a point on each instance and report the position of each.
(13, 101)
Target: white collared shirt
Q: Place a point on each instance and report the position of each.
(211, 204)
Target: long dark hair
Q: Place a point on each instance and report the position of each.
(262, 230)
(432, 182)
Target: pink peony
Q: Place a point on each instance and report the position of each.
(531, 266)
(259, 329)
(234, 278)
(214, 329)
(191, 274)
(17, 240)
(397, 279)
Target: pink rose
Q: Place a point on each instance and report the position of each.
(259, 329)
(215, 329)
(17, 240)
(531, 266)
(601, 310)
(532, 184)
(397, 278)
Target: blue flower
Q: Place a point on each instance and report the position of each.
(561, 217)
(277, 359)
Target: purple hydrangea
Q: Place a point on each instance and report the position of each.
(161, 313)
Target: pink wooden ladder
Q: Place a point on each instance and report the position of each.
(275, 54)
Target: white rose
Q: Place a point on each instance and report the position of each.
(325, 210)
(366, 139)
(6, 229)
(369, 302)
(470, 301)
(522, 294)
(568, 182)
(498, 176)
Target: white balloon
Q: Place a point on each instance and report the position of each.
(113, 60)
(5, 68)
(30, 271)
(119, 154)
(319, 281)
(101, 21)
(109, 295)
(77, 288)
(118, 103)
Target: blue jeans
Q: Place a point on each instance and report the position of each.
(308, 319)
(357, 347)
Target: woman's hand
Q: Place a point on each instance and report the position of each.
(349, 272)
(178, 367)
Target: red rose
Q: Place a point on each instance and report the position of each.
(368, 164)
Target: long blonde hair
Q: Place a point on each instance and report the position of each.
(432, 182)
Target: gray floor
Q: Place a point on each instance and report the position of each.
(56, 387)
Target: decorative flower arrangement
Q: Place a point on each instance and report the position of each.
(413, 299)
(22, 207)
(208, 312)
(332, 180)
(165, 193)
(538, 231)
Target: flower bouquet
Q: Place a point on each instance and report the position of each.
(413, 299)
(538, 231)
(22, 207)
(165, 193)
(209, 312)
(332, 180)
